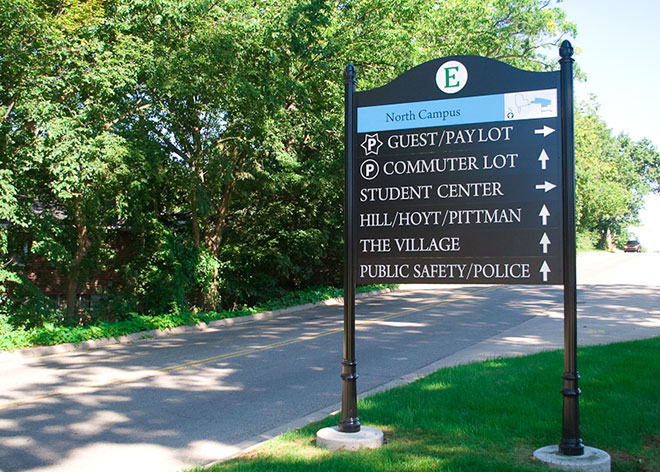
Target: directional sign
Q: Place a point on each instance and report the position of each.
(458, 176)
(461, 170)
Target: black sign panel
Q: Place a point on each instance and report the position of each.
(458, 176)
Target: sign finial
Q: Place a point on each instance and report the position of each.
(350, 75)
(566, 51)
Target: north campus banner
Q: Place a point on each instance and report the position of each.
(457, 174)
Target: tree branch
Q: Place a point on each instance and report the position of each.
(9, 108)
(172, 147)
(110, 124)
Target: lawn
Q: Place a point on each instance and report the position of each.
(491, 416)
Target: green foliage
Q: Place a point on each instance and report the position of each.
(48, 332)
(621, 238)
(161, 274)
(28, 307)
(586, 240)
(58, 140)
(192, 152)
(612, 176)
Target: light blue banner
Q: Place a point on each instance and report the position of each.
(458, 111)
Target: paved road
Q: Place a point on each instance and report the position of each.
(193, 398)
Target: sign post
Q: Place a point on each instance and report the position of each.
(350, 423)
(349, 434)
(571, 440)
(461, 170)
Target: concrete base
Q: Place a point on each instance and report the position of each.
(593, 460)
(333, 439)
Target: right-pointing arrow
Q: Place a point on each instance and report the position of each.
(545, 241)
(545, 270)
(547, 186)
(544, 213)
(546, 130)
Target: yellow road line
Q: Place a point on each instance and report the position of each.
(231, 355)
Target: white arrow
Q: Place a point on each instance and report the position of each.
(545, 270)
(544, 159)
(544, 215)
(545, 240)
(546, 130)
(547, 186)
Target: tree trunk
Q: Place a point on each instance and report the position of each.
(213, 240)
(83, 244)
(72, 295)
(194, 214)
(194, 217)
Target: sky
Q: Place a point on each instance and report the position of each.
(618, 48)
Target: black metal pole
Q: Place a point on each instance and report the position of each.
(571, 440)
(350, 423)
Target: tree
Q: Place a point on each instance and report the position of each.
(211, 130)
(290, 205)
(21, 35)
(613, 174)
(246, 98)
(59, 140)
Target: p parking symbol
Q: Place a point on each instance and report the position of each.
(371, 144)
(369, 169)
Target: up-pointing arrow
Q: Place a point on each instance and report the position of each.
(544, 213)
(544, 159)
(547, 186)
(545, 270)
(545, 241)
(546, 130)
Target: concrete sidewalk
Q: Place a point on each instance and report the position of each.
(599, 322)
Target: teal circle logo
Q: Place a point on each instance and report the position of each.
(451, 77)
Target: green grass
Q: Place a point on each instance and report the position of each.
(491, 416)
(50, 334)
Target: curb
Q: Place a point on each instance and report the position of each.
(42, 351)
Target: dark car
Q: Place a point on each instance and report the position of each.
(632, 246)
